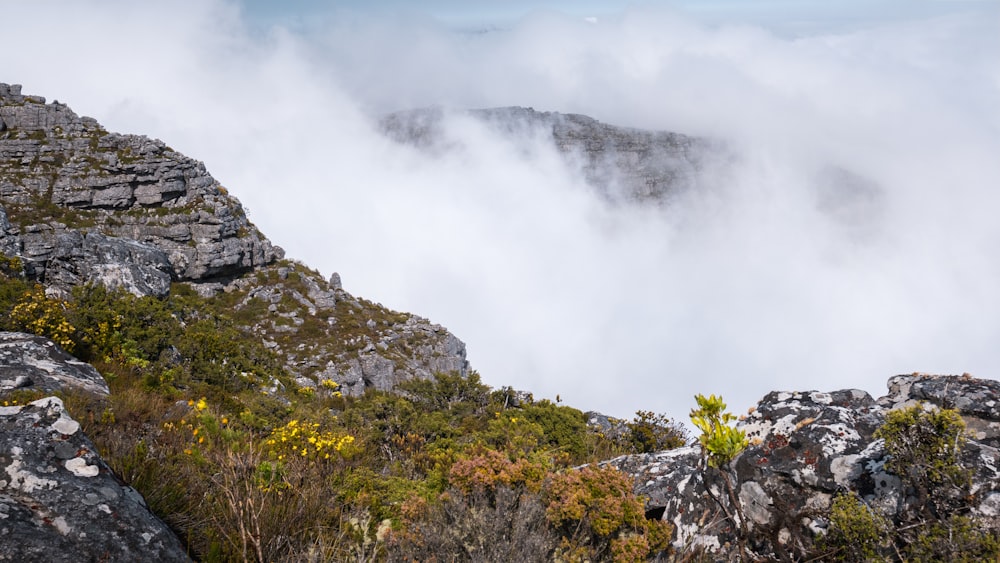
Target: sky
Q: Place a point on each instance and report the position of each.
(851, 237)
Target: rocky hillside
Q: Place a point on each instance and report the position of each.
(79, 204)
(623, 164)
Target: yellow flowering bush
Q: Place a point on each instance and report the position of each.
(38, 314)
(201, 426)
(306, 440)
(331, 386)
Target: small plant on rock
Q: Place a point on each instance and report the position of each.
(720, 442)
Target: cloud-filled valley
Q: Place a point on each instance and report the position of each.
(847, 232)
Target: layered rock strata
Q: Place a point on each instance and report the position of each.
(82, 204)
(79, 204)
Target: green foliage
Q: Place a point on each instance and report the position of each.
(36, 313)
(650, 432)
(562, 428)
(11, 266)
(449, 392)
(924, 447)
(857, 532)
(720, 442)
(118, 326)
(204, 421)
(957, 538)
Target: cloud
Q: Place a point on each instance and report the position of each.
(852, 238)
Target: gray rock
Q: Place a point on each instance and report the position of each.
(81, 205)
(36, 363)
(806, 447)
(60, 502)
(62, 258)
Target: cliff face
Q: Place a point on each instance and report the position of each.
(79, 204)
(83, 204)
(806, 448)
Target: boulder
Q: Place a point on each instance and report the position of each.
(60, 502)
(36, 363)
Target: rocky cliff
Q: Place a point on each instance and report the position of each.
(623, 164)
(79, 204)
(806, 448)
(82, 204)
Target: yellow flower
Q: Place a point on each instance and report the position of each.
(202, 404)
(225, 420)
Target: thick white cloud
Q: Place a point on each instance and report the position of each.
(853, 238)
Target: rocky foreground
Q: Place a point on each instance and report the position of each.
(805, 448)
(59, 501)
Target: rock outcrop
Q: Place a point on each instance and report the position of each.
(59, 501)
(82, 204)
(622, 163)
(805, 448)
(325, 334)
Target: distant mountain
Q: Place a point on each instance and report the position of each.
(623, 164)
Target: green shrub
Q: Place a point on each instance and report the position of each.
(958, 539)
(720, 442)
(650, 432)
(923, 448)
(857, 532)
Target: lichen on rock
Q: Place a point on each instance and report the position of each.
(60, 502)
